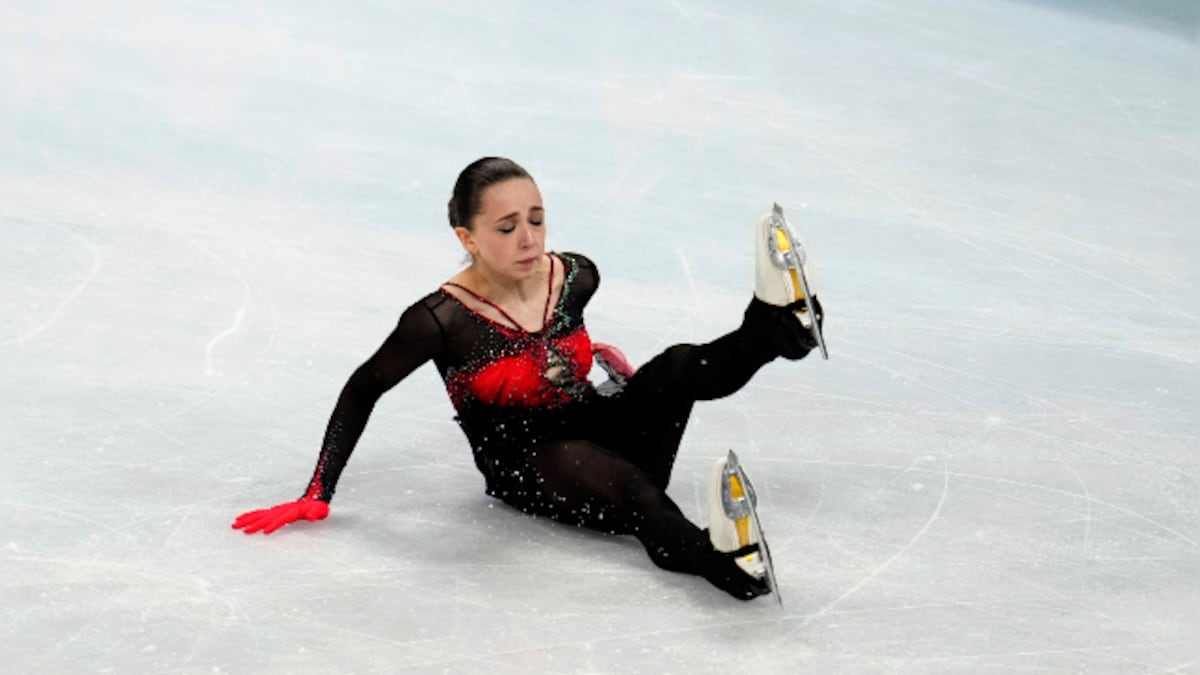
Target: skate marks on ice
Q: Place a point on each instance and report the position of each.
(1022, 591)
(989, 245)
(806, 618)
(109, 596)
(1057, 441)
(1023, 229)
(972, 394)
(94, 268)
(177, 222)
(981, 382)
(238, 315)
(140, 222)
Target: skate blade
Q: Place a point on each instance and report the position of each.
(788, 255)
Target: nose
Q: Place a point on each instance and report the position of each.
(525, 231)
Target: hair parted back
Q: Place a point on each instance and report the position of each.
(478, 176)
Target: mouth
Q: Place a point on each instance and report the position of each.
(528, 262)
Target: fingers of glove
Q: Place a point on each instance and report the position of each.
(268, 520)
(261, 522)
(282, 515)
(251, 520)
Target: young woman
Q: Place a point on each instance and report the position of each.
(508, 338)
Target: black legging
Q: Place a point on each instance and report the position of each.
(615, 481)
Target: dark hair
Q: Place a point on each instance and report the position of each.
(480, 174)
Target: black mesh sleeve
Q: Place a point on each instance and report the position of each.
(586, 281)
(417, 338)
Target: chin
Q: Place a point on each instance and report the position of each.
(532, 268)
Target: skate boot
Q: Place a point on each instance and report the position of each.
(782, 279)
(733, 525)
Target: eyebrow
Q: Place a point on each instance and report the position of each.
(514, 214)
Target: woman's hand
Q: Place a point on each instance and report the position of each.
(269, 520)
(613, 361)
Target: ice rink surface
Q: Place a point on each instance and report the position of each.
(211, 213)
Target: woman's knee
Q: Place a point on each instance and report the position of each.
(678, 360)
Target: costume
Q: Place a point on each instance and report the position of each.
(545, 441)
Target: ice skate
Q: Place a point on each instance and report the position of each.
(782, 274)
(733, 523)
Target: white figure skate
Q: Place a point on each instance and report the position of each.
(782, 275)
(733, 520)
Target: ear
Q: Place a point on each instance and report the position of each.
(467, 239)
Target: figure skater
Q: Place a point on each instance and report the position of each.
(508, 338)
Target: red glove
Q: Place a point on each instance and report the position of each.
(613, 361)
(269, 520)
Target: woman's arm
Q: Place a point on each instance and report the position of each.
(416, 339)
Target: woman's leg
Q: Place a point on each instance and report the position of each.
(652, 410)
(581, 483)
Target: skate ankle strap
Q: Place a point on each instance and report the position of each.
(743, 551)
(801, 305)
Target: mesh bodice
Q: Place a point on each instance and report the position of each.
(509, 386)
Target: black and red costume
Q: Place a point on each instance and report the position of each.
(545, 441)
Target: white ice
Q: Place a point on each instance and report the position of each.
(211, 213)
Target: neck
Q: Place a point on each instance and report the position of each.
(498, 287)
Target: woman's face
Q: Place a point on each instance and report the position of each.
(509, 233)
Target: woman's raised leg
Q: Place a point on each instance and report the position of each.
(645, 421)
